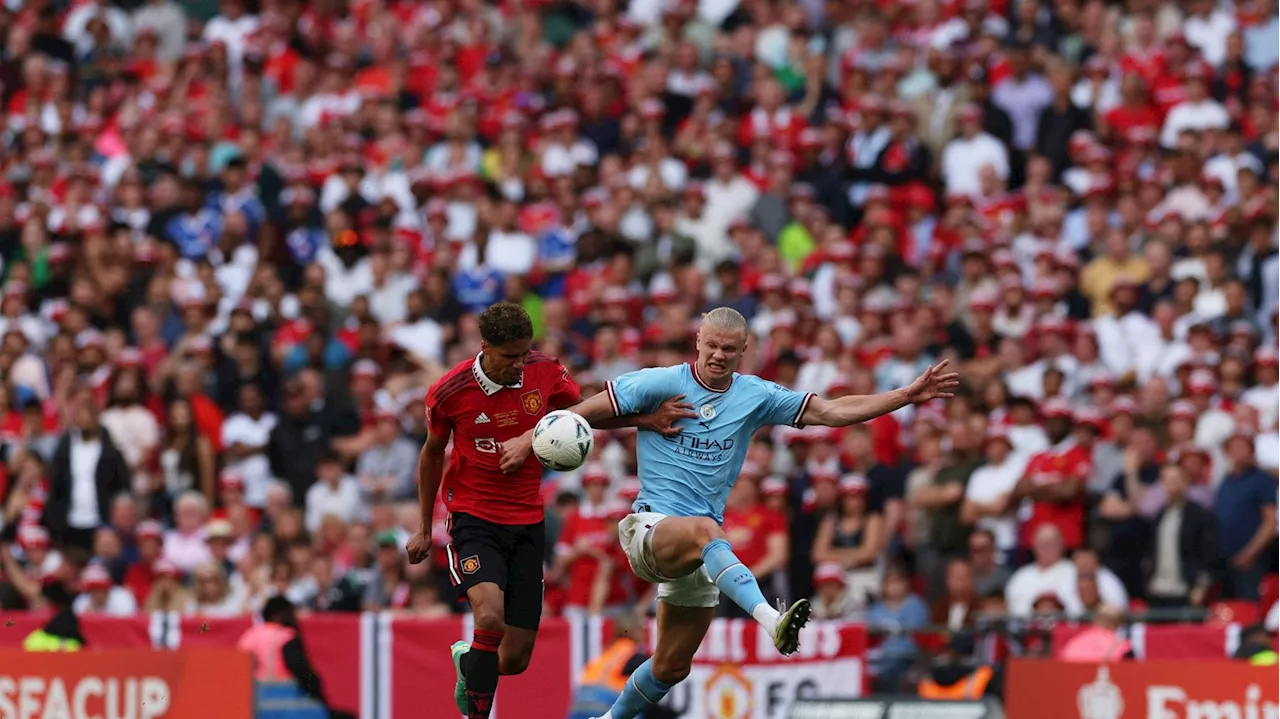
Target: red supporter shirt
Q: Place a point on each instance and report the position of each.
(591, 526)
(481, 414)
(748, 530)
(1061, 462)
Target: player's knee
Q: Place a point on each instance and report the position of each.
(706, 531)
(489, 617)
(515, 663)
(670, 671)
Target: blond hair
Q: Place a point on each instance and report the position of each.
(727, 319)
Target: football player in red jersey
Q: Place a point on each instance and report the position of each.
(496, 530)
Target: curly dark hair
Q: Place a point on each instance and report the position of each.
(504, 323)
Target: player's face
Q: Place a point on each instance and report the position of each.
(719, 352)
(504, 364)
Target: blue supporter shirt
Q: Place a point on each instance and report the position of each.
(690, 474)
(195, 235)
(477, 288)
(1239, 503)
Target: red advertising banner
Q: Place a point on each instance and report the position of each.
(125, 684)
(1140, 690)
(421, 670)
(104, 632)
(333, 642)
(1166, 641)
(383, 666)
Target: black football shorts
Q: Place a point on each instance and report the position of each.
(510, 556)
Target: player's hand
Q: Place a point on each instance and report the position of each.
(515, 452)
(933, 384)
(663, 420)
(418, 546)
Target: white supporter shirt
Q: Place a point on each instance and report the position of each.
(423, 338)
(256, 468)
(342, 500)
(1032, 581)
(511, 253)
(989, 482)
(387, 301)
(187, 551)
(964, 158)
(1122, 341)
(1209, 35)
(120, 603)
(343, 284)
(1196, 116)
(1263, 399)
(83, 513)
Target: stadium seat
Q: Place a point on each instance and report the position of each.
(1268, 593)
(1232, 611)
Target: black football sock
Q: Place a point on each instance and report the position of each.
(481, 671)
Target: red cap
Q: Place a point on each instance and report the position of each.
(33, 536)
(1056, 407)
(651, 109)
(1091, 417)
(148, 529)
(165, 568)
(983, 300)
(997, 433)
(59, 252)
(829, 572)
(1099, 381)
(1202, 381)
(630, 489)
(1266, 356)
(853, 484)
(1182, 409)
(129, 357)
(95, 576)
(1124, 404)
(595, 473)
(365, 368)
(773, 487)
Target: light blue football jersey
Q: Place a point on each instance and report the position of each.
(690, 474)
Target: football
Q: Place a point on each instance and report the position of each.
(562, 440)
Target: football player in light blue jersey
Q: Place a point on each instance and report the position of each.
(673, 536)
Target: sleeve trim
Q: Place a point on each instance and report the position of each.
(613, 399)
(804, 405)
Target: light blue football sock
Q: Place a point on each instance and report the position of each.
(641, 692)
(732, 576)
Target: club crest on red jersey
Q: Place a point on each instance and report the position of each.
(532, 401)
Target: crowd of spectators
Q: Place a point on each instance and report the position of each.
(240, 238)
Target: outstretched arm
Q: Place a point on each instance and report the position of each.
(599, 412)
(854, 409)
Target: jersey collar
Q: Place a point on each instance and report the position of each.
(693, 367)
(489, 386)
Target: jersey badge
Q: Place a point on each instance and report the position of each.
(482, 419)
(532, 401)
(707, 411)
(471, 565)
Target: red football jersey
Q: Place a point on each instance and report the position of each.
(1064, 461)
(591, 525)
(748, 530)
(481, 414)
